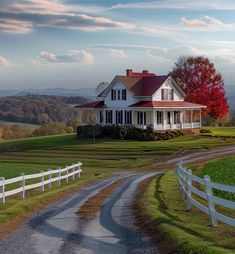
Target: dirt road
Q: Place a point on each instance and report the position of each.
(58, 229)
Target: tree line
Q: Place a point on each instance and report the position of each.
(39, 109)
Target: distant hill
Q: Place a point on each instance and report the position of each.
(85, 92)
(39, 109)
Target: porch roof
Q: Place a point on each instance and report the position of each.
(96, 104)
(166, 104)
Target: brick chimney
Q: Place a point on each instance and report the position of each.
(128, 72)
(144, 73)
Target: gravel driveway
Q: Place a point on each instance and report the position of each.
(58, 229)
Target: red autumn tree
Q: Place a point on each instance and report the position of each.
(202, 84)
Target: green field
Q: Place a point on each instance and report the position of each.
(35, 154)
(27, 126)
(221, 131)
(99, 160)
(221, 171)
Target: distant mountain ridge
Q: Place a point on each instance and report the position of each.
(90, 93)
(86, 92)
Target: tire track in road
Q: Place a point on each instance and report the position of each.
(58, 229)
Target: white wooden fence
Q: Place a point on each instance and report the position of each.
(185, 180)
(46, 178)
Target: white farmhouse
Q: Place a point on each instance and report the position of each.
(144, 99)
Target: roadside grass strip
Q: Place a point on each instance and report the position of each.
(94, 204)
(160, 211)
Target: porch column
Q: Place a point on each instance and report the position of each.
(104, 112)
(164, 119)
(123, 116)
(154, 118)
(114, 116)
(171, 119)
(182, 119)
(132, 117)
(191, 119)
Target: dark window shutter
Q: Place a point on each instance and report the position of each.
(112, 94)
(162, 94)
(111, 112)
(124, 94)
(172, 94)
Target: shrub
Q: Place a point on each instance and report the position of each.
(128, 132)
(205, 131)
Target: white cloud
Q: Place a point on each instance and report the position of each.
(72, 56)
(15, 26)
(206, 22)
(4, 61)
(174, 53)
(25, 15)
(179, 4)
(117, 53)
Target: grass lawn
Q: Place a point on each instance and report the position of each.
(175, 227)
(27, 126)
(221, 171)
(99, 160)
(221, 131)
(36, 154)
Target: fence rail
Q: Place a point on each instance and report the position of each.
(185, 184)
(46, 179)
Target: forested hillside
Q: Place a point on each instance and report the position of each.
(39, 109)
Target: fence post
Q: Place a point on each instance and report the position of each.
(184, 181)
(2, 190)
(42, 181)
(79, 168)
(22, 185)
(49, 178)
(67, 172)
(59, 176)
(211, 205)
(73, 169)
(189, 189)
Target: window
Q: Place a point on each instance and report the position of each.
(141, 118)
(119, 117)
(118, 95)
(167, 94)
(101, 117)
(124, 94)
(159, 117)
(176, 117)
(128, 117)
(109, 116)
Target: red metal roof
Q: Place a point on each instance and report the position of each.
(143, 86)
(166, 104)
(96, 104)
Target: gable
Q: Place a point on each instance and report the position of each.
(169, 83)
(118, 101)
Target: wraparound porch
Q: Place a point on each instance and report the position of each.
(158, 119)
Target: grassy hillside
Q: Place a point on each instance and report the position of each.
(27, 126)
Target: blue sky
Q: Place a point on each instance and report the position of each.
(74, 44)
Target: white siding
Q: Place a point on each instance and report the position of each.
(167, 84)
(119, 103)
